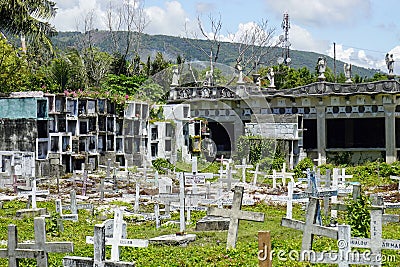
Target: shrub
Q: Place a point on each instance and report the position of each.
(302, 166)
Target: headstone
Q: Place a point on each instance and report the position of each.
(235, 215)
(99, 260)
(42, 245)
(13, 252)
(117, 240)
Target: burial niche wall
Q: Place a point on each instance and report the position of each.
(356, 133)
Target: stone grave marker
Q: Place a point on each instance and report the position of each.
(376, 243)
(243, 167)
(309, 227)
(73, 207)
(228, 173)
(345, 256)
(180, 238)
(13, 252)
(33, 193)
(117, 240)
(5, 176)
(99, 260)
(42, 245)
(235, 214)
(314, 192)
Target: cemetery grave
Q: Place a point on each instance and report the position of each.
(208, 247)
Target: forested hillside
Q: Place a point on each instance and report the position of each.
(171, 47)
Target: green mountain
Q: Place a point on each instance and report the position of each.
(171, 47)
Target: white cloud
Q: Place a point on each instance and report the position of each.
(169, 20)
(71, 18)
(342, 54)
(321, 12)
(301, 39)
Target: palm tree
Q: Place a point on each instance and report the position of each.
(28, 18)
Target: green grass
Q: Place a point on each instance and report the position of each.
(208, 249)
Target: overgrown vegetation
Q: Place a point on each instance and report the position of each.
(358, 216)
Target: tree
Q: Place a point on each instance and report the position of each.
(13, 68)
(254, 46)
(213, 39)
(126, 24)
(28, 18)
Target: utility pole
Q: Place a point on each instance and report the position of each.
(285, 39)
(334, 60)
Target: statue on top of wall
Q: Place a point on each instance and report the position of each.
(271, 78)
(321, 65)
(347, 72)
(390, 63)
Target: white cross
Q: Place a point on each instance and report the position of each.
(345, 256)
(309, 227)
(13, 253)
(243, 166)
(34, 193)
(43, 245)
(256, 173)
(117, 241)
(99, 259)
(235, 214)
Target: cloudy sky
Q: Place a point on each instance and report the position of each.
(363, 30)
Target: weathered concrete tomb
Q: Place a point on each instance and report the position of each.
(63, 132)
(319, 120)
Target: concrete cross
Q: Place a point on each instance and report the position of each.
(376, 243)
(156, 216)
(345, 256)
(99, 259)
(34, 193)
(192, 203)
(340, 175)
(235, 215)
(243, 166)
(285, 174)
(73, 207)
(42, 245)
(117, 240)
(168, 198)
(309, 227)
(13, 253)
(228, 172)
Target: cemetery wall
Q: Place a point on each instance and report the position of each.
(18, 134)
